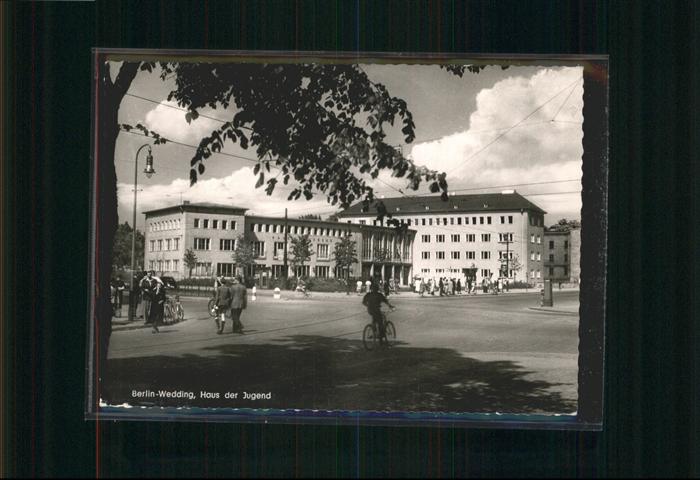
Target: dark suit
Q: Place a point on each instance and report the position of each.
(239, 301)
(148, 286)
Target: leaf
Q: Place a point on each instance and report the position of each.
(200, 168)
(260, 181)
(434, 187)
(256, 169)
(188, 117)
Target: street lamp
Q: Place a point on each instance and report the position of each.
(149, 171)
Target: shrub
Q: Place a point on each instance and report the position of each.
(283, 283)
(197, 282)
(327, 285)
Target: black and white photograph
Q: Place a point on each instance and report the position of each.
(360, 235)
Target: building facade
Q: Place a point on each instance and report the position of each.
(213, 231)
(469, 236)
(563, 255)
(209, 230)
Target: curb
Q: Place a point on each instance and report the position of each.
(138, 325)
(560, 312)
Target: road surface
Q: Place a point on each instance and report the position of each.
(481, 353)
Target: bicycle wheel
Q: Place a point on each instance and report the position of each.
(369, 337)
(180, 312)
(390, 332)
(211, 309)
(168, 314)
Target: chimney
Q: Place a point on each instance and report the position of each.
(185, 202)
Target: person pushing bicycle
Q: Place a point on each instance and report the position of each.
(373, 301)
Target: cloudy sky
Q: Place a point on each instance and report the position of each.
(519, 128)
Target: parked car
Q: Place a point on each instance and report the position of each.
(169, 282)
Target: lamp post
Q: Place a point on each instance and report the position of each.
(148, 171)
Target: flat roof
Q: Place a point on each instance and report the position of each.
(202, 207)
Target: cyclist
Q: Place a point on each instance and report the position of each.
(301, 286)
(373, 301)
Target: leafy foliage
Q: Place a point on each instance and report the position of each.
(514, 264)
(345, 253)
(190, 260)
(244, 254)
(122, 246)
(301, 250)
(565, 225)
(322, 125)
(310, 216)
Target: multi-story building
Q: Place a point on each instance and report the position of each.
(213, 232)
(563, 255)
(468, 236)
(210, 230)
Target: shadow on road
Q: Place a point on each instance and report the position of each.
(316, 372)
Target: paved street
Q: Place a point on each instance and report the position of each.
(478, 354)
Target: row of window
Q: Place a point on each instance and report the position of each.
(481, 220)
(164, 225)
(275, 271)
(533, 238)
(551, 244)
(469, 255)
(535, 256)
(485, 272)
(229, 244)
(215, 224)
(164, 244)
(298, 230)
(164, 265)
(468, 237)
(551, 257)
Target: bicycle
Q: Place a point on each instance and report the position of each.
(370, 336)
(304, 291)
(173, 311)
(211, 307)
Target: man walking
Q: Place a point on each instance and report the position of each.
(239, 301)
(223, 303)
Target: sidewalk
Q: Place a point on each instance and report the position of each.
(120, 324)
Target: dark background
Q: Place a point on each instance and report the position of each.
(651, 377)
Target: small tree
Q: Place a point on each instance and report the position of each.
(345, 253)
(244, 254)
(514, 265)
(190, 260)
(122, 246)
(301, 250)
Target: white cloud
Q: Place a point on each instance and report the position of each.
(170, 122)
(536, 150)
(237, 189)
